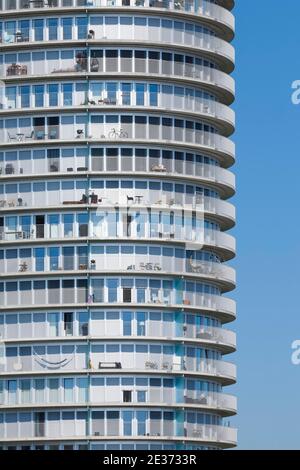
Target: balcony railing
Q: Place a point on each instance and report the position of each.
(106, 263)
(167, 397)
(165, 102)
(206, 42)
(197, 72)
(201, 8)
(130, 363)
(196, 170)
(150, 329)
(107, 199)
(35, 232)
(153, 431)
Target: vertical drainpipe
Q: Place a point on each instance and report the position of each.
(89, 428)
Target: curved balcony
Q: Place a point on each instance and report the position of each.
(112, 242)
(220, 274)
(221, 211)
(211, 79)
(213, 144)
(125, 364)
(220, 242)
(221, 338)
(224, 307)
(208, 401)
(209, 46)
(221, 401)
(219, 208)
(19, 170)
(212, 14)
(212, 111)
(220, 436)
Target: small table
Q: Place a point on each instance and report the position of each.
(138, 199)
(20, 136)
(38, 3)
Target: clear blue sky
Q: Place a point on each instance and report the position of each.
(268, 231)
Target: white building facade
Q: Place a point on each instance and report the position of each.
(115, 158)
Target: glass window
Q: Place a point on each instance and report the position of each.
(53, 94)
(54, 390)
(67, 28)
(25, 391)
(141, 396)
(127, 422)
(112, 286)
(127, 319)
(67, 89)
(82, 389)
(39, 388)
(81, 23)
(38, 28)
(140, 94)
(38, 95)
(126, 93)
(153, 94)
(12, 392)
(52, 24)
(68, 390)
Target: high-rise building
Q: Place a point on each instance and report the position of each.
(115, 151)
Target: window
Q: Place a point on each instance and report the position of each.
(53, 319)
(67, 28)
(126, 93)
(68, 323)
(126, 295)
(38, 28)
(67, 94)
(12, 392)
(113, 423)
(53, 390)
(141, 396)
(127, 319)
(82, 389)
(141, 324)
(25, 96)
(1, 392)
(127, 422)
(68, 390)
(127, 396)
(25, 391)
(53, 94)
(52, 24)
(38, 95)
(112, 285)
(153, 94)
(81, 23)
(39, 387)
(83, 319)
(39, 424)
(140, 94)
(141, 417)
